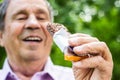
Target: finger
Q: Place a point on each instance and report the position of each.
(94, 48)
(93, 62)
(97, 63)
(76, 41)
(79, 35)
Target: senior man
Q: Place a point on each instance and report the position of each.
(27, 42)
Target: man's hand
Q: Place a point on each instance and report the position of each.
(98, 66)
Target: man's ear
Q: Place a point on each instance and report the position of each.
(1, 41)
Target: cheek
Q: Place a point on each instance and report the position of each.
(16, 29)
(48, 37)
(11, 32)
(44, 27)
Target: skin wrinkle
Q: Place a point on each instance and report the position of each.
(28, 57)
(24, 54)
(5, 5)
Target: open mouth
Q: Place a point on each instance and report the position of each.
(32, 39)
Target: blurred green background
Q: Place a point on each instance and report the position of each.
(99, 18)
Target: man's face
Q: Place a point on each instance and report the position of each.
(25, 35)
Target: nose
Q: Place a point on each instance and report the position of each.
(32, 23)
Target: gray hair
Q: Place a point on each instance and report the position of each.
(51, 12)
(3, 9)
(4, 6)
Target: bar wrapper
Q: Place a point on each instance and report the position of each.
(60, 37)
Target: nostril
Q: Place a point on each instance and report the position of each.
(32, 28)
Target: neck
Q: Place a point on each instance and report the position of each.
(26, 69)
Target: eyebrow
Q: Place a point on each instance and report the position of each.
(20, 12)
(25, 12)
(41, 11)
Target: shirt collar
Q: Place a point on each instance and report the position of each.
(49, 68)
(6, 69)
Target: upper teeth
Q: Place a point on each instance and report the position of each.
(33, 38)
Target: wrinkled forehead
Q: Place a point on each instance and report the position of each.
(16, 5)
(28, 1)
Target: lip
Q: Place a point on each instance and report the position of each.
(37, 38)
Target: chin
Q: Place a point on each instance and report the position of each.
(34, 57)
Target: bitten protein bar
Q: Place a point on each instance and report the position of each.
(60, 37)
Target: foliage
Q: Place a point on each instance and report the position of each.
(99, 18)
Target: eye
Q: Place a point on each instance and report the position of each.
(21, 17)
(40, 18)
